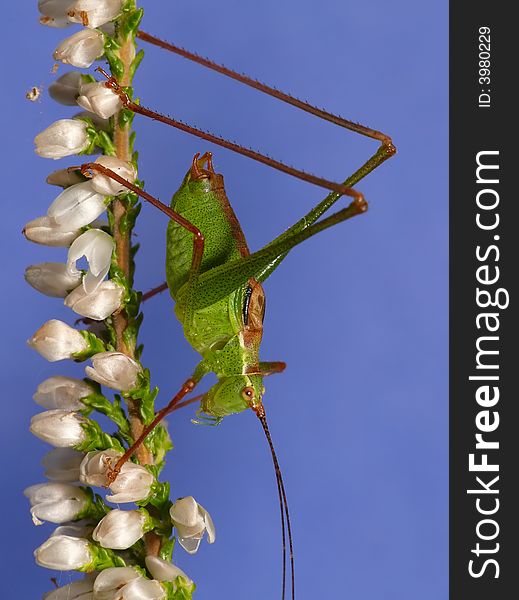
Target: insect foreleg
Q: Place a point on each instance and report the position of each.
(198, 238)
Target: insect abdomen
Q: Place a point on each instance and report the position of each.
(204, 204)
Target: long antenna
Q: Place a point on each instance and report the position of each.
(283, 503)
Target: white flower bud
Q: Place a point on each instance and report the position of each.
(110, 581)
(60, 428)
(62, 392)
(63, 138)
(99, 99)
(82, 589)
(100, 304)
(142, 589)
(191, 522)
(81, 49)
(114, 370)
(93, 13)
(132, 484)
(120, 529)
(64, 553)
(52, 279)
(62, 464)
(55, 502)
(56, 340)
(65, 89)
(77, 206)
(97, 247)
(163, 570)
(64, 178)
(110, 187)
(47, 232)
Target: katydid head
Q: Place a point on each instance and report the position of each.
(233, 394)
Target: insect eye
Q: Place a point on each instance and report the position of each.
(247, 393)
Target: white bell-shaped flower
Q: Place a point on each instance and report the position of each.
(47, 232)
(99, 99)
(93, 468)
(64, 553)
(62, 392)
(97, 247)
(81, 49)
(107, 186)
(55, 502)
(114, 370)
(60, 428)
(65, 89)
(120, 529)
(93, 13)
(63, 138)
(132, 484)
(62, 464)
(163, 570)
(99, 304)
(191, 522)
(77, 206)
(109, 582)
(52, 279)
(56, 340)
(82, 589)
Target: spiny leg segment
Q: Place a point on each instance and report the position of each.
(385, 151)
(262, 158)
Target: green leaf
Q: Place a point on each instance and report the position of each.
(159, 494)
(180, 589)
(131, 22)
(166, 549)
(102, 558)
(95, 345)
(97, 439)
(96, 509)
(104, 141)
(125, 117)
(136, 62)
(113, 411)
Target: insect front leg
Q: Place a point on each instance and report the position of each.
(198, 249)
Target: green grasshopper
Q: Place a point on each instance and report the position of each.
(216, 281)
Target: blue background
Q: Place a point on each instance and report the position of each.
(359, 313)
